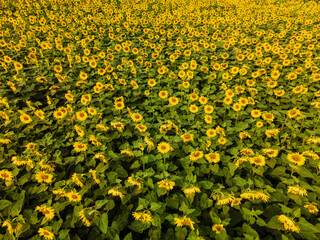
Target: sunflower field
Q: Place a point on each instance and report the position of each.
(159, 119)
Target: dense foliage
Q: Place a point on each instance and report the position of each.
(159, 119)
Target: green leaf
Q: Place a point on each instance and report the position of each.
(4, 204)
(100, 203)
(181, 233)
(307, 230)
(260, 222)
(102, 222)
(17, 206)
(274, 223)
(128, 236)
(64, 234)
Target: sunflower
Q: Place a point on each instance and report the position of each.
(73, 196)
(181, 222)
(185, 84)
(312, 209)
(218, 228)
(243, 102)
(255, 113)
(59, 114)
(269, 117)
(236, 201)
(144, 217)
(288, 224)
(69, 97)
(259, 160)
(297, 190)
(173, 101)
(7, 176)
(119, 105)
(81, 116)
(236, 107)
(57, 69)
(271, 152)
(164, 147)
(279, 93)
(194, 156)
(187, 137)
(296, 158)
(45, 233)
(259, 124)
(193, 96)
(190, 192)
(76, 180)
(167, 184)
(141, 127)
(193, 108)
(79, 131)
(152, 82)
(25, 118)
(42, 176)
(208, 119)
(293, 113)
(203, 100)
(292, 76)
(80, 147)
(136, 117)
(227, 100)
(208, 109)
(211, 132)
(47, 211)
(222, 141)
(272, 84)
(182, 74)
(275, 75)
(163, 94)
(213, 157)
(118, 125)
(229, 93)
(92, 111)
(83, 76)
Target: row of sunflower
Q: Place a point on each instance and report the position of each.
(159, 119)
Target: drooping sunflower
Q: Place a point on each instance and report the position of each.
(167, 184)
(191, 191)
(312, 208)
(181, 222)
